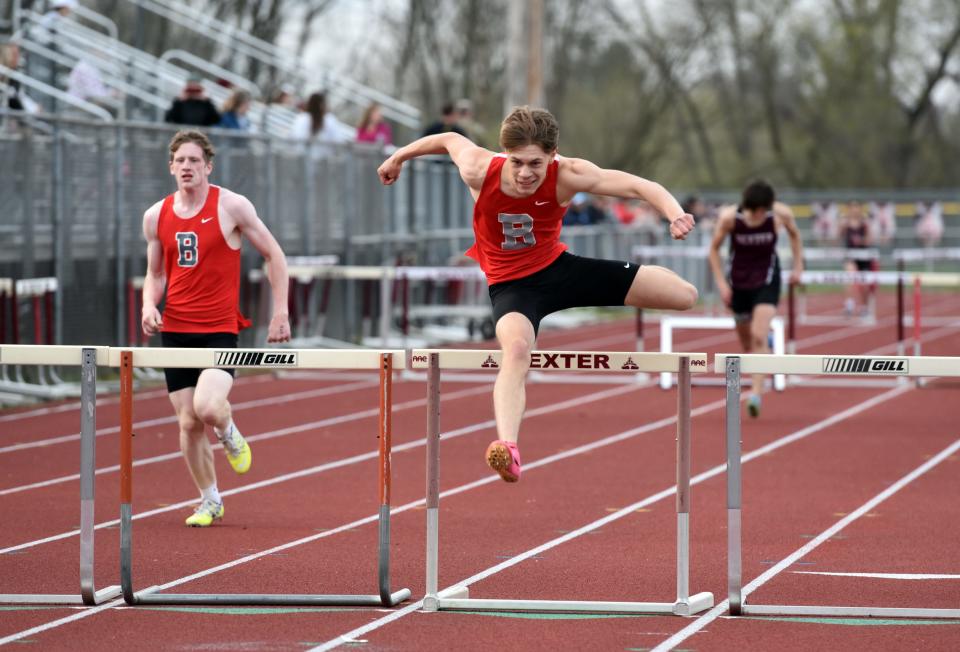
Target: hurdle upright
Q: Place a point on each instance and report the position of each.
(87, 358)
(385, 361)
(457, 597)
(735, 366)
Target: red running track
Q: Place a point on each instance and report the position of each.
(315, 473)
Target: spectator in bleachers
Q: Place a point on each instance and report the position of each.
(372, 128)
(46, 28)
(583, 210)
(316, 124)
(235, 111)
(929, 223)
(13, 95)
(193, 107)
(885, 221)
(446, 123)
(824, 222)
(58, 10)
(85, 83)
(285, 97)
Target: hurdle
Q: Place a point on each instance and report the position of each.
(394, 288)
(41, 293)
(734, 367)
(668, 323)
(87, 358)
(457, 597)
(127, 359)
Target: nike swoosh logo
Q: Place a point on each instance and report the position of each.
(627, 266)
(204, 220)
(541, 203)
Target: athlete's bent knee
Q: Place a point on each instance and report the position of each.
(190, 425)
(208, 412)
(516, 353)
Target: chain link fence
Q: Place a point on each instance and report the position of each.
(73, 194)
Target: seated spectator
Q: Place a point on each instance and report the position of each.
(193, 107)
(235, 111)
(929, 223)
(583, 210)
(447, 122)
(372, 128)
(825, 222)
(85, 83)
(315, 123)
(45, 30)
(285, 97)
(885, 218)
(13, 96)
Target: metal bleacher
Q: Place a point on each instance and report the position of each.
(145, 84)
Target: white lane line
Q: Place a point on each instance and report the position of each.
(798, 554)
(255, 403)
(322, 423)
(885, 576)
(356, 459)
(112, 400)
(85, 613)
(626, 511)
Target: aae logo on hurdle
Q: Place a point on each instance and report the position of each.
(885, 366)
(238, 358)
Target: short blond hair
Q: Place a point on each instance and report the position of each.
(529, 126)
(192, 136)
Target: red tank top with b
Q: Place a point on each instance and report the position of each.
(202, 269)
(516, 236)
(753, 253)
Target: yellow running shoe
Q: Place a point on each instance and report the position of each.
(238, 450)
(205, 514)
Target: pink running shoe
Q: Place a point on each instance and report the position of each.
(504, 458)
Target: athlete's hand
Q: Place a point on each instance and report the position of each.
(680, 227)
(726, 294)
(150, 320)
(389, 171)
(279, 330)
(796, 275)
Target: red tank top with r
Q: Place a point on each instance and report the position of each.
(202, 269)
(516, 236)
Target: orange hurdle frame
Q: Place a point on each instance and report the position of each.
(384, 598)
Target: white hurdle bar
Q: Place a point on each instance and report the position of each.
(736, 366)
(87, 358)
(669, 323)
(457, 597)
(386, 361)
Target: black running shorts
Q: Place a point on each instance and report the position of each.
(178, 379)
(743, 301)
(568, 282)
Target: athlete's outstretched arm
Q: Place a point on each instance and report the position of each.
(785, 215)
(154, 282)
(252, 227)
(579, 175)
(471, 160)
